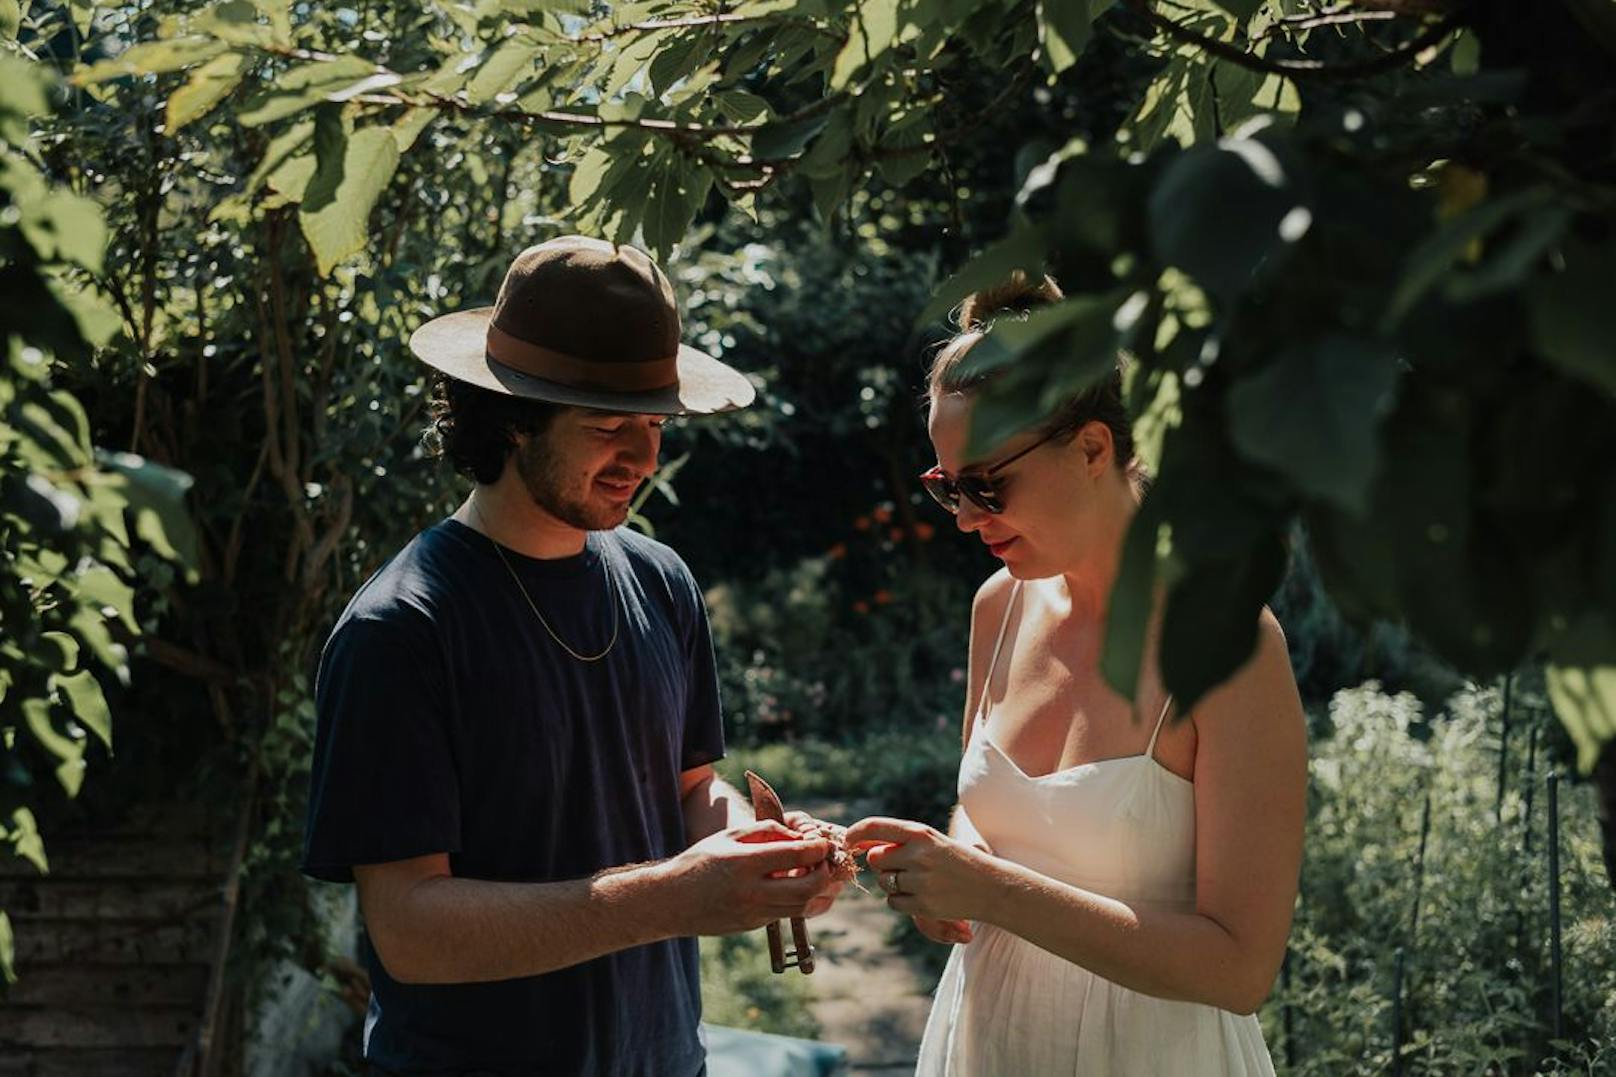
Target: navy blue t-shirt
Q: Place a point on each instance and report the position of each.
(450, 721)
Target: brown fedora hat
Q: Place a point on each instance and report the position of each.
(580, 321)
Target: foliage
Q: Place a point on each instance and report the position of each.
(738, 989)
(1476, 999)
(77, 525)
(1285, 349)
(1387, 262)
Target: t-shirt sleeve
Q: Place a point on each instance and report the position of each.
(384, 785)
(704, 719)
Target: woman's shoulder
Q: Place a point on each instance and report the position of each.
(993, 597)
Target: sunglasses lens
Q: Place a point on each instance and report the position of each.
(942, 489)
(982, 492)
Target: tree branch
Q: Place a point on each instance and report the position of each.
(1296, 68)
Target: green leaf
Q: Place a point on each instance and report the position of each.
(1220, 213)
(83, 12)
(304, 86)
(740, 106)
(1024, 249)
(151, 58)
(503, 69)
(209, 84)
(10, 19)
(26, 841)
(1573, 320)
(23, 93)
(91, 628)
(827, 157)
(1210, 627)
(1178, 104)
(1581, 679)
(1435, 257)
(63, 226)
(101, 586)
(155, 495)
(1043, 360)
(8, 950)
(905, 150)
(588, 173)
(677, 191)
(340, 229)
(786, 138)
(1064, 29)
(831, 191)
(89, 703)
(873, 29)
(1461, 586)
(70, 771)
(1312, 414)
(1132, 601)
(64, 656)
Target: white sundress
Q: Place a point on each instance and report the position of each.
(1124, 828)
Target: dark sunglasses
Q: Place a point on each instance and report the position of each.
(979, 487)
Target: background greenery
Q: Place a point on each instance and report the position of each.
(1359, 254)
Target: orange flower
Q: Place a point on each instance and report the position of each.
(861, 606)
(837, 552)
(861, 524)
(883, 515)
(882, 597)
(924, 531)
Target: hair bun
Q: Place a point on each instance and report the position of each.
(1018, 295)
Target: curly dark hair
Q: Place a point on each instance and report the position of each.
(475, 428)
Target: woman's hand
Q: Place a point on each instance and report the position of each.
(939, 881)
(948, 932)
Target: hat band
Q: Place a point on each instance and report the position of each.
(563, 369)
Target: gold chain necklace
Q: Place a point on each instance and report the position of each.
(610, 597)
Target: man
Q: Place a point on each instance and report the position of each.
(518, 714)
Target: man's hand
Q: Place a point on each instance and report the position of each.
(744, 877)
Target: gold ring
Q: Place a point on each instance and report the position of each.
(889, 882)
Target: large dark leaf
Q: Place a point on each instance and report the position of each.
(1133, 596)
(1023, 249)
(1573, 317)
(1044, 360)
(1221, 212)
(1311, 415)
(1210, 627)
(1460, 587)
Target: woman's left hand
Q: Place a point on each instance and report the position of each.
(923, 871)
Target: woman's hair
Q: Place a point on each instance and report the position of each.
(476, 428)
(1017, 297)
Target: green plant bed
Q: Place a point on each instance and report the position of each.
(912, 774)
(739, 990)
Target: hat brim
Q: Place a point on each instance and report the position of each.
(456, 344)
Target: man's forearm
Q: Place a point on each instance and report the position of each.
(453, 930)
(712, 806)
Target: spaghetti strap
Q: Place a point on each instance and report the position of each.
(993, 663)
(1151, 751)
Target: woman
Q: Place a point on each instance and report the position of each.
(1121, 889)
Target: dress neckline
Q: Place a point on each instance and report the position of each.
(1093, 764)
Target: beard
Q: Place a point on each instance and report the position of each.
(542, 475)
